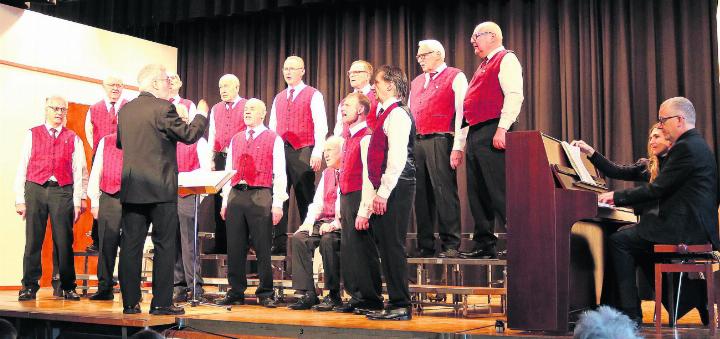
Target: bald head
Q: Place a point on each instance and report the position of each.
(486, 37)
(293, 70)
(254, 112)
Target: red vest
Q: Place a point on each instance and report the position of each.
(227, 123)
(484, 97)
(253, 161)
(370, 118)
(112, 166)
(102, 121)
(51, 157)
(330, 197)
(187, 157)
(377, 151)
(294, 118)
(351, 170)
(434, 107)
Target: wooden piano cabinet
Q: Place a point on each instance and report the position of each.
(544, 285)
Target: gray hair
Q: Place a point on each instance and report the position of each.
(433, 45)
(334, 140)
(489, 26)
(57, 97)
(148, 74)
(230, 77)
(681, 105)
(397, 77)
(257, 101)
(605, 323)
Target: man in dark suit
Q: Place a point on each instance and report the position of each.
(687, 191)
(148, 130)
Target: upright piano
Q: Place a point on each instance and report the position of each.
(556, 234)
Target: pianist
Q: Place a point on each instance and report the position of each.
(687, 190)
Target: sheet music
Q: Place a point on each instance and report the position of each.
(201, 178)
(573, 154)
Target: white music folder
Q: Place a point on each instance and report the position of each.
(202, 181)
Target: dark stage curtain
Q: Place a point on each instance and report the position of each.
(594, 69)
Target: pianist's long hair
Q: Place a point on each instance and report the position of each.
(653, 166)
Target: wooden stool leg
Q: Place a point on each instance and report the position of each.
(670, 293)
(709, 281)
(658, 295)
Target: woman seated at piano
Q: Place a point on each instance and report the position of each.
(647, 169)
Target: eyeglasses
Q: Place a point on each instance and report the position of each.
(349, 73)
(58, 109)
(423, 55)
(479, 34)
(165, 79)
(114, 85)
(663, 120)
(291, 69)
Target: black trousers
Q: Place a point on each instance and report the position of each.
(301, 178)
(56, 202)
(109, 227)
(220, 228)
(303, 250)
(248, 216)
(627, 249)
(389, 231)
(485, 182)
(437, 197)
(136, 219)
(185, 255)
(359, 257)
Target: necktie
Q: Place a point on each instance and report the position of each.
(291, 98)
(380, 112)
(227, 106)
(54, 133)
(433, 74)
(250, 135)
(112, 109)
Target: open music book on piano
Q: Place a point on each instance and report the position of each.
(573, 154)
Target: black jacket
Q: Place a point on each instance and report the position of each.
(687, 191)
(148, 131)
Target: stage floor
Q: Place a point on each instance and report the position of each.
(252, 321)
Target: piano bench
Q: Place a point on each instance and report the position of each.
(685, 259)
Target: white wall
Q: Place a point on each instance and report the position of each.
(37, 40)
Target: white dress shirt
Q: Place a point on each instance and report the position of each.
(193, 109)
(511, 82)
(88, 120)
(316, 207)
(319, 117)
(79, 169)
(211, 130)
(397, 127)
(459, 86)
(279, 184)
(338, 120)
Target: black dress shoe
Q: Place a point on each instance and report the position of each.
(704, 316)
(276, 250)
(425, 253)
(328, 304)
(268, 302)
(480, 253)
(167, 310)
(400, 313)
(26, 294)
(305, 302)
(102, 295)
(134, 309)
(449, 253)
(231, 300)
(92, 248)
(366, 311)
(345, 308)
(71, 295)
